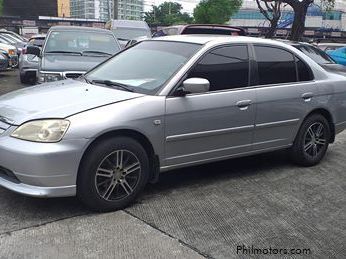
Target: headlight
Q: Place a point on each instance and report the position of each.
(48, 77)
(12, 52)
(47, 131)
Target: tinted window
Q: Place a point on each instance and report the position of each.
(304, 72)
(225, 68)
(275, 65)
(315, 54)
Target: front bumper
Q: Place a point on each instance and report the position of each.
(41, 169)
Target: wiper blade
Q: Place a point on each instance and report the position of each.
(65, 52)
(96, 52)
(112, 83)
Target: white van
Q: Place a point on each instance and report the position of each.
(127, 30)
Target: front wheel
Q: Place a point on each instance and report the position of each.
(112, 174)
(312, 141)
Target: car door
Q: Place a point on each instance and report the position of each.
(218, 123)
(285, 93)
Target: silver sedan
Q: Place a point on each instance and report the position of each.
(163, 104)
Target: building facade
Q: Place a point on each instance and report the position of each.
(129, 9)
(317, 20)
(92, 9)
(30, 9)
(64, 8)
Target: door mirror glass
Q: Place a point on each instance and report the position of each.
(196, 85)
(33, 50)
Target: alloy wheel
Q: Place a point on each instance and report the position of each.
(315, 139)
(117, 175)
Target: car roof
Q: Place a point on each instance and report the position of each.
(213, 39)
(78, 28)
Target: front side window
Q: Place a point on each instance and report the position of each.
(145, 67)
(225, 68)
(275, 65)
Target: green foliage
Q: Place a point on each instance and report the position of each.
(1, 6)
(215, 11)
(167, 13)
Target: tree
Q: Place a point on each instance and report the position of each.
(167, 13)
(300, 8)
(1, 6)
(272, 12)
(215, 11)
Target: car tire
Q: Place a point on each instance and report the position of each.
(23, 79)
(112, 174)
(28, 79)
(312, 141)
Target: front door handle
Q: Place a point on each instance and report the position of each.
(307, 96)
(244, 104)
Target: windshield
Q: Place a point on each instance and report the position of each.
(81, 41)
(130, 33)
(146, 66)
(315, 54)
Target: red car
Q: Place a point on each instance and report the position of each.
(201, 29)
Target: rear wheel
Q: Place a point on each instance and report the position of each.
(112, 174)
(312, 141)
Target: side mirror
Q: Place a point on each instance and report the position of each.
(195, 85)
(33, 50)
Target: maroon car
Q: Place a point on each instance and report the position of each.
(201, 29)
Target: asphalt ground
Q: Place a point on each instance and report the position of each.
(212, 211)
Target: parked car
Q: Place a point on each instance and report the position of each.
(201, 29)
(28, 63)
(68, 52)
(330, 46)
(319, 56)
(16, 35)
(128, 30)
(11, 53)
(4, 62)
(162, 104)
(339, 55)
(13, 41)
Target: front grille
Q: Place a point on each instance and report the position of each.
(73, 75)
(8, 175)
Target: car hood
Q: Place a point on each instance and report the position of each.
(335, 68)
(57, 100)
(61, 63)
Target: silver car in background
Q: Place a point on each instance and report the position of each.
(163, 104)
(28, 63)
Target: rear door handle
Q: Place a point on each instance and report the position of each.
(307, 96)
(244, 104)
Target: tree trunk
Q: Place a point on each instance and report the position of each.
(298, 27)
(273, 25)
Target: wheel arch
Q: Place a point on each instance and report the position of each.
(327, 114)
(134, 134)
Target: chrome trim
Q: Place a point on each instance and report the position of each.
(37, 191)
(208, 151)
(202, 161)
(207, 133)
(72, 72)
(276, 123)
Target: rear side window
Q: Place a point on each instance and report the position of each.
(304, 72)
(275, 65)
(225, 68)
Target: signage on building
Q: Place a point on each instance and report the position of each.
(309, 33)
(29, 23)
(336, 34)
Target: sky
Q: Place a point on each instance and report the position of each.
(188, 5)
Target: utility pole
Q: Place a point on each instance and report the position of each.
(116, 8)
